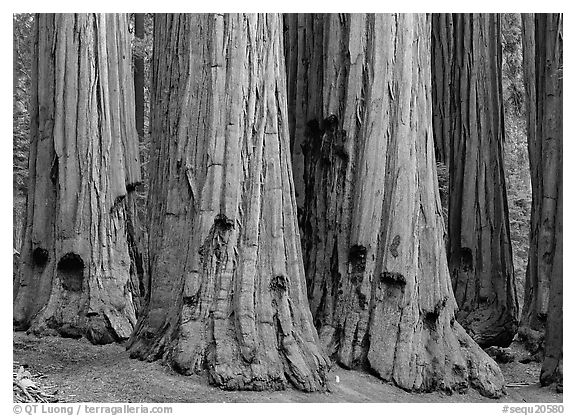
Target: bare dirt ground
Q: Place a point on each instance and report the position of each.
(78, 371)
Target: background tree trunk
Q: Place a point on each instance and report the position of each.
(23, 24)
(443, 54)
(16, 218)
(542, 44)
(228, 288)
(469, 130)
(77, 276)
(139, 75)
(136, 202)
(378, 282)
(302, 38)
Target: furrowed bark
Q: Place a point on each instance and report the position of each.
(228, 290)
(374, 255)
(469, 130)
(77, 273)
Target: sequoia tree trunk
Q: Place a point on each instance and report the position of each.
(77, 276)
(542, 312)
(469, 131)
(378, 281)
(228, 290)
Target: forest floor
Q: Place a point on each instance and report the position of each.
(77, 371)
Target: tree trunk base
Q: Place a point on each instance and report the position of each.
(552, 372)
(488, 326)
(287, 359)
(532, 339)
(443, 358)
(100, 329)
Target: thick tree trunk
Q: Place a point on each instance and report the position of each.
(469, 131)
(228, 289)
(77, 276)
(542, 45)
(378, 281)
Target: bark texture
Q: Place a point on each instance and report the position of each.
(228, 290)
(77, 275)
(469, 134)
(374, 255)
(542, 312)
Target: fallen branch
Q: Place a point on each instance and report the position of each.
(27, 389)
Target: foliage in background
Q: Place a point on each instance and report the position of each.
(443, 187)
(512, 72)
(516, 161)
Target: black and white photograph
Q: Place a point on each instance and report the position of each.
(287, 208)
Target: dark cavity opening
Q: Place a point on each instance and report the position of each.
(279, 283)
(357, 257)
(362, 301)
(223, 223)
(131, 187)
(71, 272)
(40, 257)
(542, 316)
(430, 320)
(394, 245)
(330, 124)
(466, 261)
(190, 301)
(313, 143)
(393, 278)
(312, 130)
